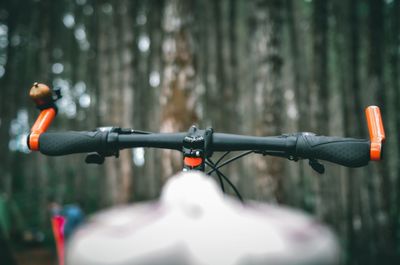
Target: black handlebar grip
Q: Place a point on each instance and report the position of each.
(65, 143)
(348, 152)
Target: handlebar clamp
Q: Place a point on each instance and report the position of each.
(197, 147)
(112, 146)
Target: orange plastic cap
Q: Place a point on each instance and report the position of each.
(193, 161)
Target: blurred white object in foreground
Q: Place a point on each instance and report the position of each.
(195, 223)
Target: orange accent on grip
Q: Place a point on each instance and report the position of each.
(193, 161)
(43, 122)
(376, 131)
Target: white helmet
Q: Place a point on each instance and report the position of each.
(195, 223)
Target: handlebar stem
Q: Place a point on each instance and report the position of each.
(196, 148)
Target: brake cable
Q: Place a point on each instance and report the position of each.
(214, 165)
(222, 157)
(230, 161)
(211, 164)
(215, 168)
(220, 174)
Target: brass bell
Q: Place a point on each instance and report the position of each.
(41, 94)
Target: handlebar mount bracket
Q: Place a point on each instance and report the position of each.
(112, 145)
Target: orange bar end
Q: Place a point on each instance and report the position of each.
(376, 131)
(43, 122)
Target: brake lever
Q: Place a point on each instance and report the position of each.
(314, 164)
(113, 132)
(317, 166)
(112, 137)
(278, 154)
(94, 158)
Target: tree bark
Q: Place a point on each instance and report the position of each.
(178, 99)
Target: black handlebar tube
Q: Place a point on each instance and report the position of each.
(232, 142)
(221, 142)
(344, 151)
(65, 143)
(172, 141)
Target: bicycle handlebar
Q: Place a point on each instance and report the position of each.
(343, 151)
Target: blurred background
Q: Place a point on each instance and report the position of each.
(247, 67)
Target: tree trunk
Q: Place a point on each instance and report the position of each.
(115, 70)
(178, 99)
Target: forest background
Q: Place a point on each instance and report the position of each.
(246, 67)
